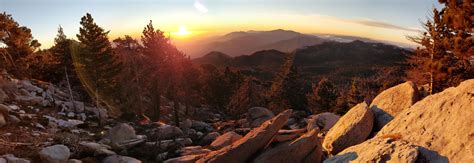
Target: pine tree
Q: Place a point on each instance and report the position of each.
(459, 42)
(446, 47)
(61, 51)
(155, 53)
(99, 66)
(354, 95)
(323, 98)
(16, 43)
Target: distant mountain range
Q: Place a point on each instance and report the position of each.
(248, 42)
(339, 60)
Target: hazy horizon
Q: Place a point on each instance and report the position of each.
(198, 19)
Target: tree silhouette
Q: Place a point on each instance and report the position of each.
(99, 65)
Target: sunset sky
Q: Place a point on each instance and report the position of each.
(378, 19)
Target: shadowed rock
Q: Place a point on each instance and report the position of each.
(255, 140)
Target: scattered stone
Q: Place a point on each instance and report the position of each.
(392, 101)
(323, 121)
(209, 138)
(13, 119)
(225, 140)
(122, 136)
(193, 150)
(120, 159)
(9, 158)
(29, 100)
(98, 149)
(257, 115)
(351, 129)
(378, 150)
(241, 150)
(166, 132)
(442, 124)
(55, 154)
(294, 151)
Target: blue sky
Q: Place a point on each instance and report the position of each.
(381, 19)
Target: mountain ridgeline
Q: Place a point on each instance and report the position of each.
(373, 63)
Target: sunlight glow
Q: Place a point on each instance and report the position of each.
(182, 31)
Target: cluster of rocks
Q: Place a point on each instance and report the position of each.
(398, 126)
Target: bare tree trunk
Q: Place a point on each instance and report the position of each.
(176, 111)
(71, 97)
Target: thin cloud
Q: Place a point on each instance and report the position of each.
(379, 24)
(366, 22)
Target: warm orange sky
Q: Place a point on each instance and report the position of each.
(390, 20)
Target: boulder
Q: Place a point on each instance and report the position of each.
(255, 140)
(122, 135)
(392, 101)
(9, 158)
(97, 148)
(378, 150)
(76, 106)
(209, 138)
(351, 129)
(25, 84)
(257, 115)
(441, 123)
(120, 159)
(166, 132)
(294, 151)
(225, 140)
(165, 145)
(55, 154)
(202, 126)
(323, 121)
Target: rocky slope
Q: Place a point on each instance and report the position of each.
(39, 123)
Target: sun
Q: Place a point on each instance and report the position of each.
(183, 31)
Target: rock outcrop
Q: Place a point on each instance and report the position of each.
(441, 123)
(378, 150)
(351, 129)
(294, 151)
(392, 101)
(258, 138)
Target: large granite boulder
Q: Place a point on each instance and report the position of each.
(225, 140)
(257, 115)
(351, 129)
(392, 101)
(442, 124)
(55, 154)
(323, 121)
